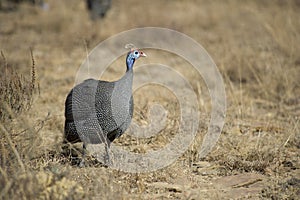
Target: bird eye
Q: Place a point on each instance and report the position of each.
(136, 53)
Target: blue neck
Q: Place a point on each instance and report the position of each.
(129, 61)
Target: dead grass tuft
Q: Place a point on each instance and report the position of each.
(15, 89)
(39, 185)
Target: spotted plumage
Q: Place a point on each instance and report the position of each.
(99, 111)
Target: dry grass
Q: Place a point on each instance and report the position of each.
(16, 90)
(254, 44)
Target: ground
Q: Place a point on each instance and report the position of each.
(255, 45)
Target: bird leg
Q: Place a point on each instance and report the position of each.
(107, 160)
(82, 163)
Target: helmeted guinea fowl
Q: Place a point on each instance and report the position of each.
(99, 111)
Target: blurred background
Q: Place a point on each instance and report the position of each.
(254, 43)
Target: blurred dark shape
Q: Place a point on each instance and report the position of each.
(98, 8)
(37, 2)
(10, 5)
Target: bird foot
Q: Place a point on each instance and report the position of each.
(107, 160)
(82, 163)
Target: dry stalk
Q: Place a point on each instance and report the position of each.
(13, 148)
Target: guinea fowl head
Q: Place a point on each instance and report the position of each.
(132, 56)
